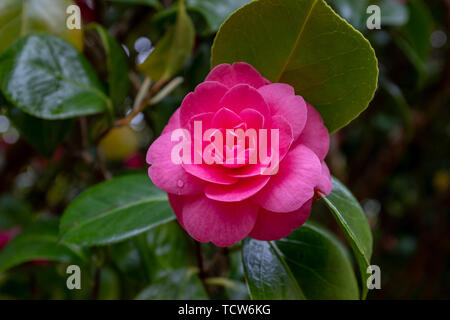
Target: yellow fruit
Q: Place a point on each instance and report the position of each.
(119, 143)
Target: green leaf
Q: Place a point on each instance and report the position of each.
(44, 135)
(115, 210)
(305, 44)
(308, 264)
(39, 241)
(182, 284)
(414, 38)
(48, 78)
(21, 17)
(353, 222)
(171, 247)
(117, 66)
(215, 11)
(172, 50)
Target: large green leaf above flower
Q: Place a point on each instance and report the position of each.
(306, 44)
(21, 17)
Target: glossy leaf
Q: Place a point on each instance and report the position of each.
(39, 241)
(306, 44)
(215, 11)
(48, 78)
(172, 50)
(171, 247)
(117, 66)
(353, 222)
(308, 264)
(21, 17)
(44, 135)
(115, 210)
(182, 284)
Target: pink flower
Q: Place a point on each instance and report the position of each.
(224, 203)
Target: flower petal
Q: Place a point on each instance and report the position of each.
(167, 175)
(325, 186)
(238, 73)
(205, 98)
(226, 119)
(294, 184)
(274, 226)
(315, 135)
(210, 173)
(243, 96)
(252, 118)
(174, 122)
(282, 101)
(241, 190)
(222, 223)
(176, 202)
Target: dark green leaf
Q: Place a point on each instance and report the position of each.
(305, 44)
(39, 241)
(181, 284)
(21, 17)
(215, 11)
(353, 222)
(172, 50)
(414, 38)
(308, 264)
(115, 210)
(48, 78)
(44, 135)
(117, 65)
(171, 247)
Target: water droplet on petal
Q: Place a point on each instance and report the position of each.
(180, 183)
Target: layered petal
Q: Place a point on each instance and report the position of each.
(204, 99)
(274, 226)
(315, 135)
(238, 73)
(222, 223)
(174, 122)
(241, 190)
(243, 96)
(176, 202)
(167, 175)
(325, 185)
(210, 173)
(282, 101)
(294, 184)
